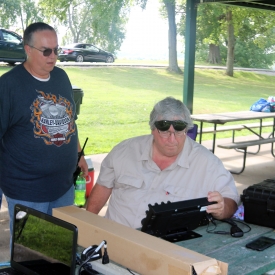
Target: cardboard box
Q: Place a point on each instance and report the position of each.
(137, 250)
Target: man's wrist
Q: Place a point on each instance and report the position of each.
(80, 154)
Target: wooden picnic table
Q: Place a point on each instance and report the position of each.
(232, 250)
(222, 118)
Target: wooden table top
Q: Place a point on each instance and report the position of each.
(241, 260)
(222, 118)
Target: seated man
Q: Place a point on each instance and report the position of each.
(164, 166)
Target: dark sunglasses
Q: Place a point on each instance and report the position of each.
(47, 52)
(164, 125)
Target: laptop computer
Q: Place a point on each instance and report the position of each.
(41, 244)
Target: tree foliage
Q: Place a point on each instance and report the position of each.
(254, 33)
(101, 22)
(19, 12)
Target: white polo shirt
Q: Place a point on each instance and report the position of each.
(137, 181)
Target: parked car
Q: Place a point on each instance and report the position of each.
(81, 52)
(11, 47)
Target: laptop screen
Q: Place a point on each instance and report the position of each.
(42, 244)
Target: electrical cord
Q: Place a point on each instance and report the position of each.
(130, 271)
(106, 257)
(235, 231)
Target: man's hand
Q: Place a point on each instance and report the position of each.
(223, 209)
(83, 166)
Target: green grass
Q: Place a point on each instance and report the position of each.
(143, 61)
(117, 101)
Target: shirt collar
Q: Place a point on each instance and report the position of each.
(182, 159)
(147, 151)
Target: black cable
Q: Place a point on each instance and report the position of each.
(130, 271)
(89, 258)
(211, 231)
(230, 221)
(85, 262)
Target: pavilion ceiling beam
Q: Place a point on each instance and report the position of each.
(257, 4)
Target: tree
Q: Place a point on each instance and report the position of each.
(170, 6)
(230, 42)
(169, 11)
(92, 21)
(27, 11)
(222, 26)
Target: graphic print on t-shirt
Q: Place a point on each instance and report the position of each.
(52, 118)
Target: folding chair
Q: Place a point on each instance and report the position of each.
(192, 133)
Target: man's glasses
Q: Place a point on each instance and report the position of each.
(48, 52)
(164, 125)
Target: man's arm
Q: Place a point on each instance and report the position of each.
(98, 198)
(223, 209)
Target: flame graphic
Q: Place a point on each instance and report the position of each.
(42, 131)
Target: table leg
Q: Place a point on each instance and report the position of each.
(214, 138)
(272, 136)
(244, 151)
(201, 125)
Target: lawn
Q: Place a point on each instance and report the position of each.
(117, 101)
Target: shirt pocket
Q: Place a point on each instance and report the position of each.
(127, 181)
(128, 187)
(176, 193)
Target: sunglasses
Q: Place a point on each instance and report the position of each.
(164, 125)
(48, 52)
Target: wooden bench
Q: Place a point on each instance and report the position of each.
(242, 147)
(237, 127)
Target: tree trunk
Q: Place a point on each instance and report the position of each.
(230, 46)
(22, 20)
(214, 55)
(172, 36)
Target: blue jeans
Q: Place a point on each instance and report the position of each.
(45, 207)
(1, 194)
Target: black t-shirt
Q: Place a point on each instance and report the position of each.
(38, 149)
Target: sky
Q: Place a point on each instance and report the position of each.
(146, 34)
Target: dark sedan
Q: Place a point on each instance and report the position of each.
(82, 52)
(11, 47)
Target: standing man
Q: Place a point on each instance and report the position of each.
(164, 166)
(39, 140)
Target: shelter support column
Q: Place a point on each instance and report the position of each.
(189, 59)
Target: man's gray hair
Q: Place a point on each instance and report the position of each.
(170, 109)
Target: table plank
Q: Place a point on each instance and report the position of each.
(222, 118)
(242, 261)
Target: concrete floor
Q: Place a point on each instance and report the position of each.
(258, 168)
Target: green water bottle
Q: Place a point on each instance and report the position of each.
(80, 191)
